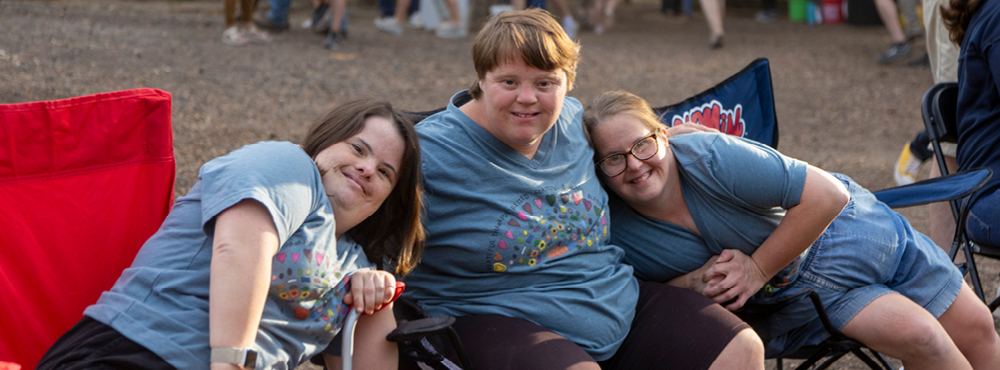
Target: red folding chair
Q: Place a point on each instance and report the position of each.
(83, 183)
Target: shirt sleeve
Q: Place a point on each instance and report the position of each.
(739, 170)
(278, 175)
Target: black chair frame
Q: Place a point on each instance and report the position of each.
(939, 109)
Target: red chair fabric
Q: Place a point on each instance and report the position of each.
(83, 183)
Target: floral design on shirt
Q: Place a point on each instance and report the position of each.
(545, 227)
(310, 285)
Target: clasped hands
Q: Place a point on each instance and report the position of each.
(731, 274)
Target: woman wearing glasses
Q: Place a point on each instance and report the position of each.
(737, 221)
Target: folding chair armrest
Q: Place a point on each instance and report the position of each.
(410, 335)
(418, 329)
(350, 323)
(939, 189)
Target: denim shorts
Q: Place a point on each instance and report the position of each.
(868, 251)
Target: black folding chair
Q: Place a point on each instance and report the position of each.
(828, 351)
(939, 108)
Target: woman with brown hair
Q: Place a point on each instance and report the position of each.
(257, 265)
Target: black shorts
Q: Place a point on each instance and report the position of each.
(674, 328)
(92, 345)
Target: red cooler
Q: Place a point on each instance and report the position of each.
(832, 11)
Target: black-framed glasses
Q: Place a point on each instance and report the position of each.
(613, 165)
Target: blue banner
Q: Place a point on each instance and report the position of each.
(742, 105)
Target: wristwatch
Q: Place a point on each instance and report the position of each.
(242, 357)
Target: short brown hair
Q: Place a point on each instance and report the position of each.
(534, 35)
(613, 103)
(394, 233)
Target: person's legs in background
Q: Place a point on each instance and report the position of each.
(394, 24)
(911, 21)
(715, 11)
(451, 27)
(768, 12)
(250, 30)
(569, 25)
(560, 6)
(232, 34)
(602, 15)
(276, 19)
(244, 32)
(338, 31)
(900, 48)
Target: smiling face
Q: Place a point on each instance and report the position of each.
(521, 103)
(642, 181)
(360, 172)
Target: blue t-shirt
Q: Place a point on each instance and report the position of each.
(979, 94)
(161, 301)
(737, 191)
(520, 237)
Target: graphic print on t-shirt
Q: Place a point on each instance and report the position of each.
(310, 286)
(543, 226)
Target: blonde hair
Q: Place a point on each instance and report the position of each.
(531, 34)
(617, 102)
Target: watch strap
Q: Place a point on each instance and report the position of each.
(243, 357)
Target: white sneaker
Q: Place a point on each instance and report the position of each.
(255, 35)
(233, 37)
(446, 30)
(389, 25)
(416, 20)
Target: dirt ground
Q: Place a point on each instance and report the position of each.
(837, 108)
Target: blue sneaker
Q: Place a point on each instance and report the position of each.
(894, 53)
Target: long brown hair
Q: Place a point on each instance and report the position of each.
(394, 233)
(957, 18)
